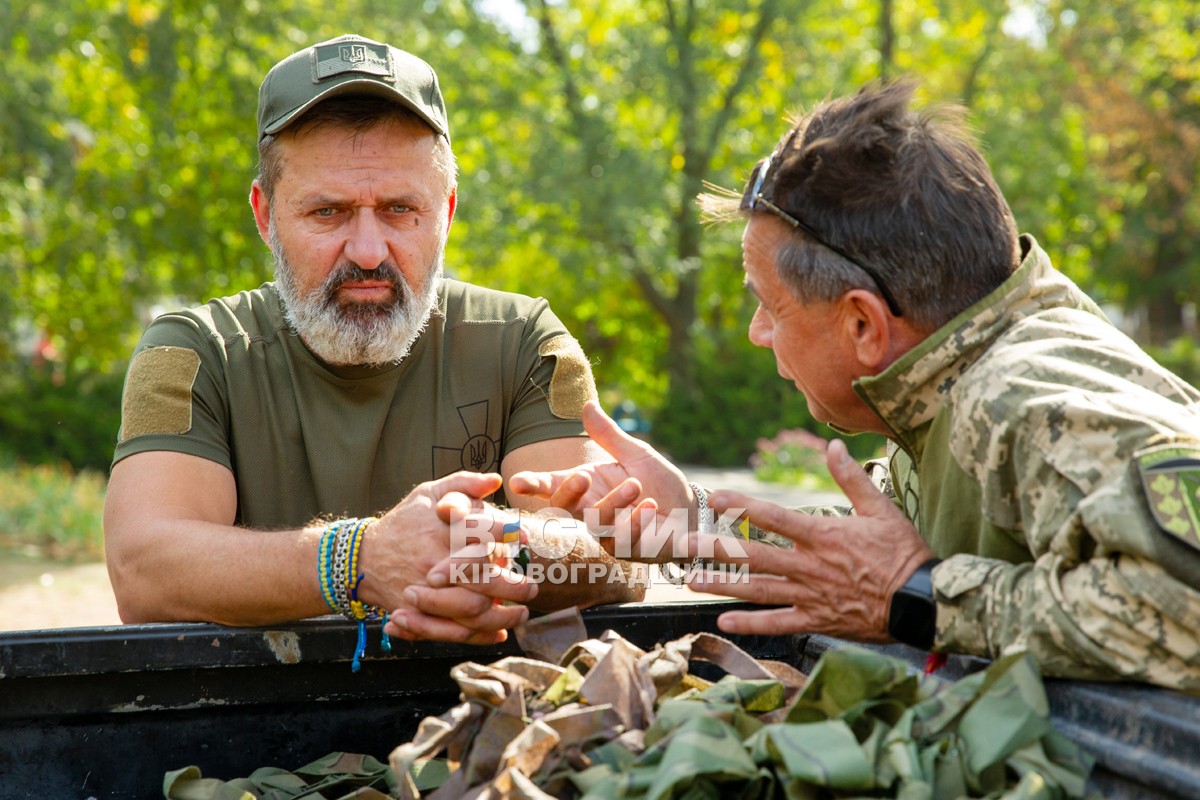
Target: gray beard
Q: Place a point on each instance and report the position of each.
(360, 334)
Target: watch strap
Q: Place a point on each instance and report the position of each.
(912, 618)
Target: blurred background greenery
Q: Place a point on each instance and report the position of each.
(584, 129)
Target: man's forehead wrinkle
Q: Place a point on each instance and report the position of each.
(354, 137)
(365, 183)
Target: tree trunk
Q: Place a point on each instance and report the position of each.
(887, 39)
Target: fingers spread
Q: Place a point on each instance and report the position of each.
(801, 528)
(570, 491)
(621, 497)
(735, 551)
(757, 588)
(539, 484)
(636, 534)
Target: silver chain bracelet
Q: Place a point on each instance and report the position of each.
(705, 523)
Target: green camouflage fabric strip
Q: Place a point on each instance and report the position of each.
(345, 776)
(642, 726)
(610, 720)
(1026, 429)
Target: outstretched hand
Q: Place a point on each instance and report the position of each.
(638, 479)
(840, 573)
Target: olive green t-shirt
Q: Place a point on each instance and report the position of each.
(231, 382)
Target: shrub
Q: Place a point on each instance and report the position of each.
(52, 511)
(50, 416)
(793, 456)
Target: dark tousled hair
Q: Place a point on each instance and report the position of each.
(904, 191)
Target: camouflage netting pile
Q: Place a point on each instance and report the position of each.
(602, 718)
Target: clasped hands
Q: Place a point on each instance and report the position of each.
(408, 555)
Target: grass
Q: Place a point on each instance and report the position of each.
(51, 512)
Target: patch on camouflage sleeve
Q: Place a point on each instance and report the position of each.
(1171, 479)
(572, 384)
(158, 392)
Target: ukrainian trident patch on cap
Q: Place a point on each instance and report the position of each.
(335, 58)
(1171, 479)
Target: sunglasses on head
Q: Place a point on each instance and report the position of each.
(757, 201)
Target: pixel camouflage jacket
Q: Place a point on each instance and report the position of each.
(1055, 466)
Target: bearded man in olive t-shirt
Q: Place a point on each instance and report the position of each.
(261, 432)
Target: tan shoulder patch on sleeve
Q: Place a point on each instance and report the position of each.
(158, 392)
(572, 384)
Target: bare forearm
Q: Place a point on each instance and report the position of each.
(188, 570)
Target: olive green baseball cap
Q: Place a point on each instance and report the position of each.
(348, 65)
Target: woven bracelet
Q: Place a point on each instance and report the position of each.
(338, 571)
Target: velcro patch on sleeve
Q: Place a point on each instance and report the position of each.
(572, 384)
(158, 392)
(1171, 480)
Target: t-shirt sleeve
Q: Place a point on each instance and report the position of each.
(174, 397)
(554, 380)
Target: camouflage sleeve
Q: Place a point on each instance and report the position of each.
(1066, 460)
(1111, 618)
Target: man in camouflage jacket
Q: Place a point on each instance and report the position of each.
(1026, 439)
(1045, 470)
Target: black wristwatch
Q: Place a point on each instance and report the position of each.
(913, 615)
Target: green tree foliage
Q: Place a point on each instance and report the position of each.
(637, 104)
(584, 130)
(1137, 67)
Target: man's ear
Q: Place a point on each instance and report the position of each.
(453, 203)
(868, 327)
(262, 211)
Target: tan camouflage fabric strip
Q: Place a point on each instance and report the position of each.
(610, 720)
